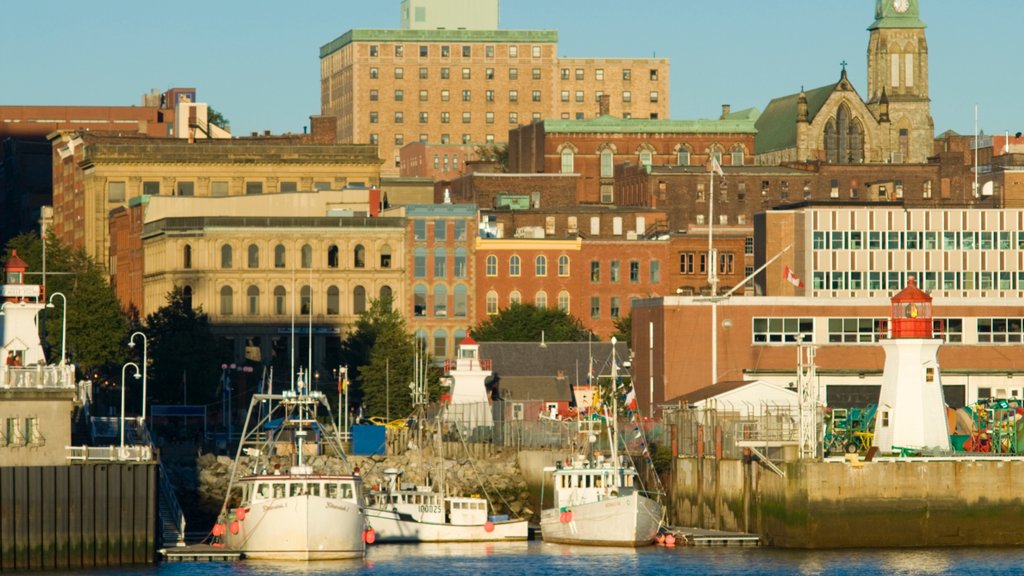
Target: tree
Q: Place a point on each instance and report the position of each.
(526, 322)
(497, 153)
(185, 360)
(96, 326)
(624, 329)
(217, 119)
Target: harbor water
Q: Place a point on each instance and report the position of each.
(537, 558)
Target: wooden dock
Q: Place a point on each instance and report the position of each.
(704, 537)
(199, 553)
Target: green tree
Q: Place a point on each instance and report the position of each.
(526, 322)
(184, 355)
(624, 329)
(217, 119)
(96, 326)
(497, 153)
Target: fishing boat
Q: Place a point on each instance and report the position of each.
(403, 512)
(287, 510)
(597, 500)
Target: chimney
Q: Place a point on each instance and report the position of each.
(604, 105)
(725, 111)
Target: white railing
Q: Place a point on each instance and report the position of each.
(54, 377)
(134, 453)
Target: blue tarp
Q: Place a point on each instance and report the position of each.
(369, 441)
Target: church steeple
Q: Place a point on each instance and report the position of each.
(896, 14)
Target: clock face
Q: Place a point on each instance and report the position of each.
(901, 5)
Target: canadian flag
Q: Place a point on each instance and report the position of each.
(716, 167)
(792, 278)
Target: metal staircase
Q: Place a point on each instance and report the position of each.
(172, 520)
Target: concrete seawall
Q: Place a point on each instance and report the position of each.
(832, 504)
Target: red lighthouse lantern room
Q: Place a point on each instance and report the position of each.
(911, 312)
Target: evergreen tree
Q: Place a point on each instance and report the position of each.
(526, 322)
(184, 354)
(624, 329)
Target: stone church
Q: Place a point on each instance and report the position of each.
(834, 124)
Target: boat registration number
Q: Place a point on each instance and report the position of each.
(430, 509)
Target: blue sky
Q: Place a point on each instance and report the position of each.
(257, 61)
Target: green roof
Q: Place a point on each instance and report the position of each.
(886, 15)
(776, 127)
(614, 124)
(439, 35)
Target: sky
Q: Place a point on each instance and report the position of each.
(257, 61)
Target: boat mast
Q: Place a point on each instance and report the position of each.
(613, 421)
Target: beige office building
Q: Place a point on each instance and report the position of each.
(455, 86)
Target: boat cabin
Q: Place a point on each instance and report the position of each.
(262, 488)
(591, 482)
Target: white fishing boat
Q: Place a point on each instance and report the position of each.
(291, 512)
(599, 501)
(400, 512)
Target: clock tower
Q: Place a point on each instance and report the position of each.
(898, 74)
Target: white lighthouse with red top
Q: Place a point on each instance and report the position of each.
(911, 408)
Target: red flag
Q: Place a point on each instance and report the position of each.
(792, 278)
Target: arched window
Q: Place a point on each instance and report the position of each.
(831, 141)
(254, 256)
(305, 300)
(843, 126)
(359, 257)
(540, 299)
(460, 263)
(683, 155)
(440, 262)
(186, 257)
(186, 295)
(515, 297)
(563, 301)
(492, 303)
(856, 141)
(279, 260)
(440, 343)
(333, 301)
(715, 151)
(440, 301)
(226, 297)
(844, 137)
(460, 305)
(568, 161)
(280, 301)
(541, 265)
(492, 265)
(307, 256)
(646, 157)
(419, 300)
(252, 298)
(421, 339)
(607, 163)
(332, 256)
(226, 256)
(386, 296)
(385, 257)
(359, 300)
(736, 155)
(513, 265)
(563, 265)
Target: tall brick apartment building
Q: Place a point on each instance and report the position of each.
(462, 86)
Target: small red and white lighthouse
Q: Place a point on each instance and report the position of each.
(911, 408)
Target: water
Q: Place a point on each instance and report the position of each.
(537, 558)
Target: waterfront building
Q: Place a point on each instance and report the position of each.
(467, 85)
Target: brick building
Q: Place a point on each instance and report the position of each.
(436, 161)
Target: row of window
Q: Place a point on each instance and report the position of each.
(399, 139)
(446, 118)
(540, 300)
(13, 434)
(615, 271)
(280, 260)
(439, 309)
(868, 330)
(930, 240)
(440, 340)
(459, 227)
(873, 280)
(440, 268)
(117, 189)
(645, 157)
(540, 265)
(697, 263)
(280, 300)
(465, 50)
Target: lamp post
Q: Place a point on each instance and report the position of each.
(63, 325)
(145, 364)
(124, 385)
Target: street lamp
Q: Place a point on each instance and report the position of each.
(145, 360)
(63, 325)
(124, 385)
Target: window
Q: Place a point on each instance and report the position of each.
(185, 189)
(374, 95)
(218, 188)
(226, 256)
(535, 51)
(445, 73)
(446, 51)
(226, 298)
(374, 73)
(359, 300)
(467, 51)
(563, 301)
(513, 265)
(333, 301)
(580, 97)
(467, 95)
(399, 139)
(535, 96)
(595, 271)
(513, 118)
(726, 263)
(634, 271)
(253, 260)
(466, 74)
(460, 263)
(491, 303)
(305, 300)
(419, 300)
(253, 188)
(563, 265)
(440, 343)
(440, 301)
(419, 263)
(782, 330)
(854, 330)
(513, 51)
(748, 245)
(424, 51)
(595, 307)
(385, 256)
(1000, 330)
(646, 157)
(374, 51)
(627, 96)
(613, 308)
(614, 275)
(654, 96)
(626, 73)
(288, 186)
(491, 265)
(514, 297)
(186, 257)
(655, 272)
(115, 191)
(513, 96)
(460, 303)
(568, 161)
(359, 256)
(445, 117)
(686, 263)
(440, 262)
(541, 266)
(399, 73)
(399, 117)
(467, 117)
(399, 51)
(279, 301)
(737, 159)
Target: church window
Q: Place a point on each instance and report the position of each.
(844, 138)
(894, 70)
(908, 70)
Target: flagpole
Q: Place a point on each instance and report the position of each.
(712, 276)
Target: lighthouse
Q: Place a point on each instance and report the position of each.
(911, 409)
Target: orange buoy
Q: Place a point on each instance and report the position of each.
(233, 527)
(240, 513)
(218, 530)
(670, 539)
(659, 539)
(369, 536)
(488, 526)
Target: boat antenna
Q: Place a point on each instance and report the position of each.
(291, 340)
(309, 367)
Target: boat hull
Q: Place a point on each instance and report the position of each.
(631, 520)
(393, 527)
(299, 528)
